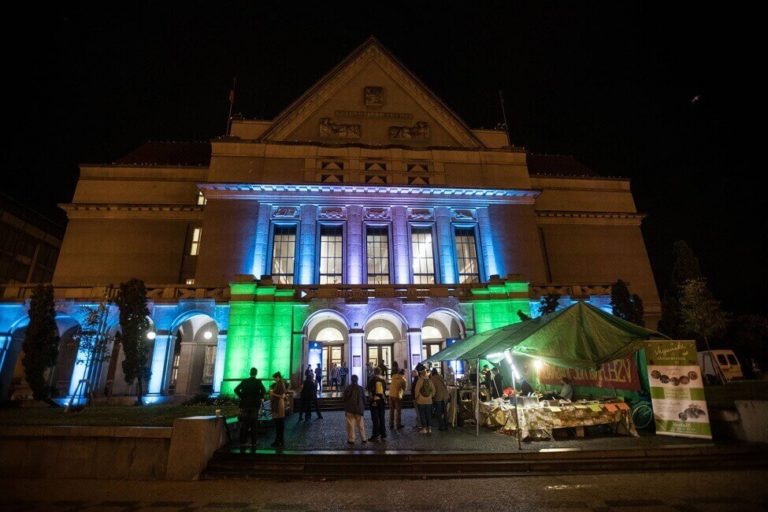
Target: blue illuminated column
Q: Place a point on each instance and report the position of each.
(400, 244)
(414, 342)
(356, 353)
(261, 245)
(307, 244)
(355, 244)
(160, 354)
(445, 245)
(221, 354)
(486, 243)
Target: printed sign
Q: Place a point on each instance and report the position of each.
(618, 374)
(677, 389)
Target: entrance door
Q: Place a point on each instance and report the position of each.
(331, 354)
(430, 348)
(379, 353)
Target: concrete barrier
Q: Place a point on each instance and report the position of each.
(180, 452)
(753, 416)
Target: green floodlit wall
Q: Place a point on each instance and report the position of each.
(261, 332)
(498, 304)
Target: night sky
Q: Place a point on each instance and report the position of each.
(667, 95)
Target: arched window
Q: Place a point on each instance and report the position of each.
(329, 334)
(380, 334)
(430, 333)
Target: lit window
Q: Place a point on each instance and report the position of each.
(283, 254)
(194, 249)
(331, 255)
(190, 281)
(466, 256)
(201, 200)
(377, 246)
(423, 255)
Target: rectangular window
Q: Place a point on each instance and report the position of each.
(377, 250)
(331, 259)
(201, 200)
(423, 255)
(194, 248)
(283, 254)
(466, 256)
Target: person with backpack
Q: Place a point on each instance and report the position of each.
(309, 399)
(377, 389)
(251, 394)
(440, 398)
(423, 393)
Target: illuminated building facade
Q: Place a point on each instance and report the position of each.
(366, 216)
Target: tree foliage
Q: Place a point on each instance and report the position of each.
(134, 324)
(700, 312)
(685, 266)
(41, 342)
(549, 303)
(93, 342)
(626, 306)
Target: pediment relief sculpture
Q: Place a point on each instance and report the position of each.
(339, 131)
(373, 96)
(463, 215)
(419, 131)
(420, 214)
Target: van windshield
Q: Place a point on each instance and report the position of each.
(732, 359)
(721, 359)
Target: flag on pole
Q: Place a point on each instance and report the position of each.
(231, 95)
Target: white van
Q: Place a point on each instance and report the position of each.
(717, 363)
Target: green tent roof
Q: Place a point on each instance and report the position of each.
(579, 336)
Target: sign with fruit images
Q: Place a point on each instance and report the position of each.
(677, 389)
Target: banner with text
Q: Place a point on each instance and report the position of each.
(618, 374)
(677, 389)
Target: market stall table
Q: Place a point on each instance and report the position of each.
(540, 419)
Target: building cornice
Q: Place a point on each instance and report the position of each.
(133, 211)
(597, 218)
(369, 194)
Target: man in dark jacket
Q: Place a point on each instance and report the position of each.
(308, 399)
(354, 408)
(377, 390)
(251, 393)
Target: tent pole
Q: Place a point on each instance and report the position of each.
(517, 415)
(477, 399)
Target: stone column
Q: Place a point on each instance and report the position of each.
(186, 361)
(445, 249)
(158, 362)
(355, 244)
(221, 357)
(415, 348)
(487, 251)
(400, 244)
(261, 245)
(307, 244)
(356, 349)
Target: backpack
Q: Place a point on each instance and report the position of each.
(426, 388)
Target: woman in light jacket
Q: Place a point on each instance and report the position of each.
(277, 399)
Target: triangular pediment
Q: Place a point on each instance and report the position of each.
(370, 98)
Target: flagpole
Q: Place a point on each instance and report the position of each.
(231, 104)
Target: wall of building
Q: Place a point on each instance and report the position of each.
(99, 251)
(517, 241)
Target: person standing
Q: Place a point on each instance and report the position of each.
(319, 378)
(440, 398)
(396, 392)
(423, 393)
(497, 383)
(277, 400)
(368, 372)
(308, 399)
(251, 393)
(377, 388)
(335, 377)
(308, 373)
(414, 380)
(343, 371)
(354, 408)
